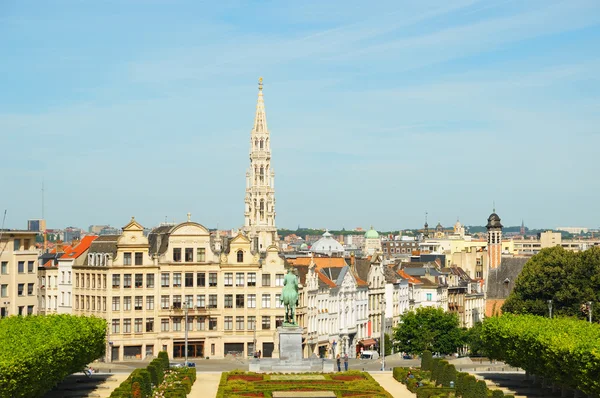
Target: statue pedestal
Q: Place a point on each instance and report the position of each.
(290, 343)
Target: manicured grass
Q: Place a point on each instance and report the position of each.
(353, 383)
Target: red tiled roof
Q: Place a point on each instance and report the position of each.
(320, 262)
(81, 247)
(326, 280)
(411, 279)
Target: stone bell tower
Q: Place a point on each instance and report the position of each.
(259, 214)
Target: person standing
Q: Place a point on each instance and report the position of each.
(339, 363)
(346, 362)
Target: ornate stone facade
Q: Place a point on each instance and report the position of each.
(259, 214)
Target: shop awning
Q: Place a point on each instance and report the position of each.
(368, 342)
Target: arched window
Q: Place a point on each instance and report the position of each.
(240, 256)
(261, 144)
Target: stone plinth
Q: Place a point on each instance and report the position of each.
(306, 394)
(290, 343)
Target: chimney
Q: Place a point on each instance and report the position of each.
(352, 262)
(59, 246)
(74, 242)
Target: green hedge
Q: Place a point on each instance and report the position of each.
(426, 360)
(565, 350)
(38, 352)
(426, 392)
(172, 383)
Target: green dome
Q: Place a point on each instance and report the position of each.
(371, 234)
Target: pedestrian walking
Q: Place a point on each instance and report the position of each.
(259, 354)
(339, 363)
(346, 362)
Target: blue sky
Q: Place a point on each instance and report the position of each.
(378, 111)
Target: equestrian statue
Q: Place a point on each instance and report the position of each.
(289, 297)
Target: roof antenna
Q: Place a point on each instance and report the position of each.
(1, 231)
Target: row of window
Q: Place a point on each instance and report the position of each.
(202, 323)
(93, 303)
(175, 279)
(137, 303)
(17, 244)
(20, 267)
(188, 255)
(20, 290)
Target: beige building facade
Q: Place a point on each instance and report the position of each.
(18, 273)
(146, 287)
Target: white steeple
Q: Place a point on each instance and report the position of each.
(259, 214)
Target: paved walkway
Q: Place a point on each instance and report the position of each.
(387, 381)
(206, 385)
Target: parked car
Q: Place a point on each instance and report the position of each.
(175, 365)
(368, 354)
(191, 364)
(407, 356)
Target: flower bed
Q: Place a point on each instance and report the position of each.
(348, 384)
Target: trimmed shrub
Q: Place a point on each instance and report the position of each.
(426, 360)
(497, 394)
(461, 383)
(164, 359)
(449, 375)
(430, 392)
(481, 389)
(470, 387)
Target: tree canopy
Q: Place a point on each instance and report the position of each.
(567, 278)
(428, 329)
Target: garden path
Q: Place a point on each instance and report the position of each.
(387, 381)
(206, 385)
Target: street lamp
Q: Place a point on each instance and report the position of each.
(382, 334)
(185, 349)
(589, 303)
(550, 308)
(254, 354)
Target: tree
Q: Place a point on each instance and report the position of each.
(388, 344)
(567, 278)
(428, 329)
(472, 338)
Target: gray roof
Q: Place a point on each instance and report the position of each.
(104, 244)
(158, 239)
(332, 272)
(501, 280)
(421, 271)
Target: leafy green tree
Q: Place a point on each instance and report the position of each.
(472, 338)
(428, 329)
(567, 278)
(388, 344)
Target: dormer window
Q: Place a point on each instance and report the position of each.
(240, 256)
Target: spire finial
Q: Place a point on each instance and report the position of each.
(494, 208)
(260, 83)
(189, 216)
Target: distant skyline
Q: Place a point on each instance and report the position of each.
(378, 112)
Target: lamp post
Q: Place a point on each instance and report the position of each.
(382, 333)
(185, 348)
(254, 354)
(589, 303)
(550, 308)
